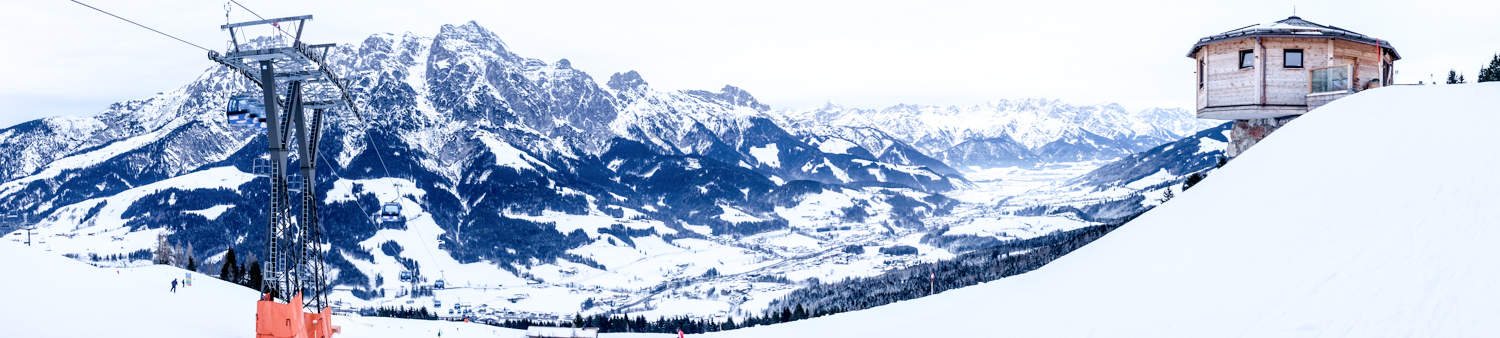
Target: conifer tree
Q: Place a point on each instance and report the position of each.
(255, 277)
(1491, 72)
(242, 273)
(227, 271)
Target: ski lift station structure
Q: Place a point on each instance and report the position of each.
(296, 88)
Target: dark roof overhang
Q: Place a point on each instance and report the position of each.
(1298, 29)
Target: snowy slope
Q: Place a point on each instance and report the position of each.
(1366, 237)
(54, 296)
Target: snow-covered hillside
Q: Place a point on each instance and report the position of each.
(52, 296)
(1322, 230)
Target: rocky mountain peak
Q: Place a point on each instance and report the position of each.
(626, 81)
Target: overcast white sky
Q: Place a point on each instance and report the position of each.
(59, 58)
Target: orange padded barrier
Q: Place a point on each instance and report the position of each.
(278, 320)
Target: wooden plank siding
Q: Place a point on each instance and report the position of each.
(1288, 86)
(1229, 85)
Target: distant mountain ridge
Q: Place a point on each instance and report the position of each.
(1006, 132)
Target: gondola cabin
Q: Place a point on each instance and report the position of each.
(246, 110)
(391, 212)
(1263, 76)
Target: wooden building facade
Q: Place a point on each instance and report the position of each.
(1263, 76)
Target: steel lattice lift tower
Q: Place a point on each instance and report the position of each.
(294, 77)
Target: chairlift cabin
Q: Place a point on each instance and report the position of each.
(260, 166)
(439, 284)
(390, 212)
(246, 109)
(294, 182)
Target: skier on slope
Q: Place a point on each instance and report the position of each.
(174, 285)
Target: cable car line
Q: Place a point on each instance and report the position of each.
(142, 26)
(333, 169)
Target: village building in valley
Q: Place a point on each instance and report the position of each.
(1265, 75)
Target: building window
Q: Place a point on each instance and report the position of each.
(1200, 73)
(1293, 58)
(1247, 59)
(1329, 79)
(1385, 77)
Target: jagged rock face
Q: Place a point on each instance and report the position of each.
(626, 81)
(52, 138)
(733, 127)
(472, 76)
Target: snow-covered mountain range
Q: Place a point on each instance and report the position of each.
(533, 183)
(1001, 133)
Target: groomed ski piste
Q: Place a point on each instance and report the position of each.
(53, 296)
(1372, 216)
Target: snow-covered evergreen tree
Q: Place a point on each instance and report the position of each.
(1492, 71)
